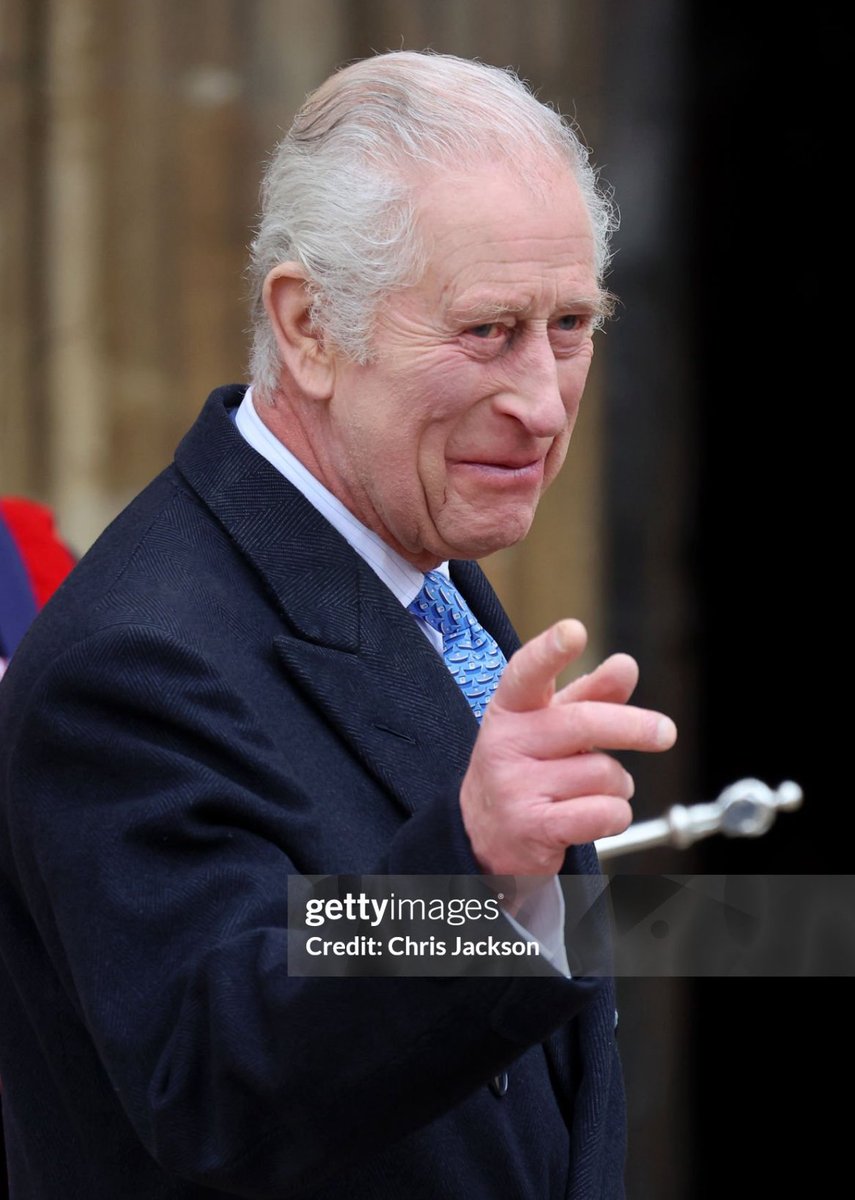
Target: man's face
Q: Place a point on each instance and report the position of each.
(445, 442)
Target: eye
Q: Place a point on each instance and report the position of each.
(570, 331)
(488, 332)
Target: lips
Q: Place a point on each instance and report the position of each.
(507, 471)
(508, 462)
(504, 464)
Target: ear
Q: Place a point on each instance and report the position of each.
(287, 302)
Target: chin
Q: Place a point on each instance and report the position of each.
(471, 545)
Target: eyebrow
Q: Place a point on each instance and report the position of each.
(600, 304)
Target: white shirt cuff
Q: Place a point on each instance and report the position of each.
(540, 919)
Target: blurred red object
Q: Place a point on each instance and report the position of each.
(46, 558)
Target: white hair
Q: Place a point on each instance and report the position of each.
(339, 193)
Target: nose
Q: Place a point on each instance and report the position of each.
(532, 394)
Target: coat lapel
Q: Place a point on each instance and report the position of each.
(346, 641)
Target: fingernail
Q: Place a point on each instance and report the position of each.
(666, 732)
(567, 633)
(562, 637)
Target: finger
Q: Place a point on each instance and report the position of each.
(528, 681)
(563, 730)
(571, 822)
(591, 774)
(614, 679)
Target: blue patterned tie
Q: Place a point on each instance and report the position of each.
(472, 656)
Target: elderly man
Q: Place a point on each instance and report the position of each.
(255, 672)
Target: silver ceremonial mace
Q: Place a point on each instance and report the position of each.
(745, 809)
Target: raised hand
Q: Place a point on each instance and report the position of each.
(539, 779)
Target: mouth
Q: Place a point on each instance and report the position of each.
(505, 472)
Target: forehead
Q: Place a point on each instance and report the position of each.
(492, 240)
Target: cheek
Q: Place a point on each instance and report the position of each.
(572, 378)
(438, 411)
(402, 446)
(574, 374)
(572, 385)
(557, 454)
(448, 387)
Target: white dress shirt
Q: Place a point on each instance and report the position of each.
(543, 914)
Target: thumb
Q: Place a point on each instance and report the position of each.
(528, 681)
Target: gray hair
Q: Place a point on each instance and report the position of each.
(339, 192)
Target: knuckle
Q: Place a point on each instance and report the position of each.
(548, 831)
(582, 722)
(649, 728)
(612, 778)
(621, 817)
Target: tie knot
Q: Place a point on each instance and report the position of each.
(440, 604)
